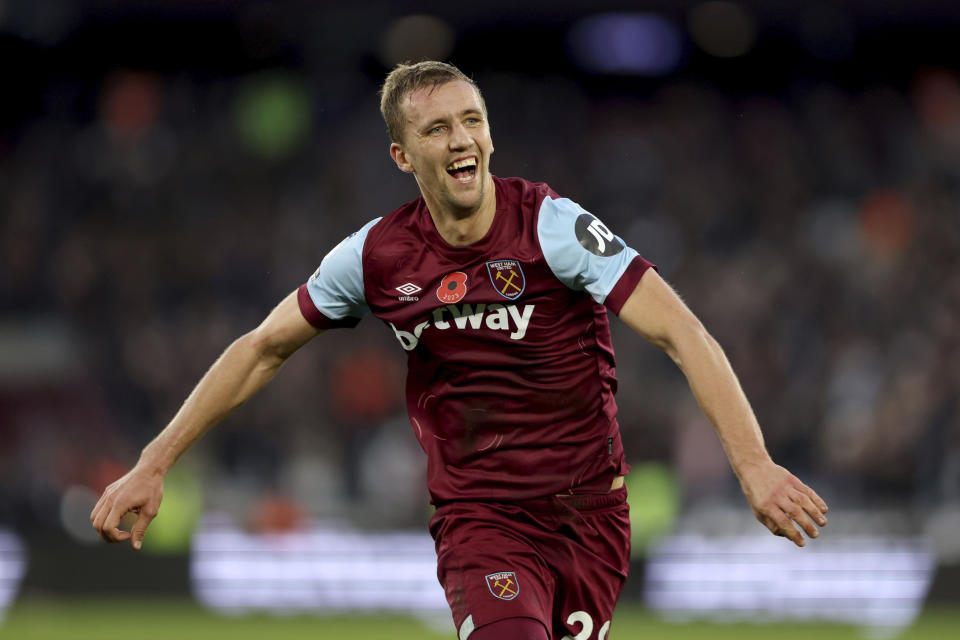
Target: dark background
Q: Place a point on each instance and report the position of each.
(170, 170)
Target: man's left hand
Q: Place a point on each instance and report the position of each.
(779, 500)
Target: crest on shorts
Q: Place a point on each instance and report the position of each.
(507, 278)
(503, 585)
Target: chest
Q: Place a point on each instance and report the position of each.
(509, 297)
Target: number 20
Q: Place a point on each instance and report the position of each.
(586, 626)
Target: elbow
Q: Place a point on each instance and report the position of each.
(689, 339)
(265, 347)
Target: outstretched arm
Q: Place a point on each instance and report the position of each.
(777, 497)
(242, 370)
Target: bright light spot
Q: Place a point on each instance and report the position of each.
(319, 569)
(936, 95)
(273, 113)
(655, 515)
(130, 102)
(13, 566)
(886, 221)
(869, 581)
(76, 503)
(625, 44)
(722, 29)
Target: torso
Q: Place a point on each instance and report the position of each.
(511, 372)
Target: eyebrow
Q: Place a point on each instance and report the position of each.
(465, 112)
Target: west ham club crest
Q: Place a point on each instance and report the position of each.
(507, 278)
(503, 585)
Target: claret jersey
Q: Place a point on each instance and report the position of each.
(510, 383)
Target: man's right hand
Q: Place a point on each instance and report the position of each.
(139, 491)
(247, 365)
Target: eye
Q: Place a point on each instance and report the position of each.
(473, 121)
(435, 130)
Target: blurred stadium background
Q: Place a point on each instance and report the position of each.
(170, 169)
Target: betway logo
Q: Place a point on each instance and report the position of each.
(495, 316)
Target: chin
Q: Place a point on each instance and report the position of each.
(472, 203)
(466, 199)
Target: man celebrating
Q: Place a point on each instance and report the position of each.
(498, 290)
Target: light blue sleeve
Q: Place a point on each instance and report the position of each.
(336, 287)
(579, 249)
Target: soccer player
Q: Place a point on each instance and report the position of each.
(498, 291)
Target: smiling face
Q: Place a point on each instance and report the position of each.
(446, 144)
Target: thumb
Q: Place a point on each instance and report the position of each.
(139, 529)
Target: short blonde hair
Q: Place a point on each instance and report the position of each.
(407, 78)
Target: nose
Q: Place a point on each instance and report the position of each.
(459, 137)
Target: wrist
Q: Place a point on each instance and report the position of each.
(747, 464)
(154, 459)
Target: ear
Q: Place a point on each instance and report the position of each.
(400, 157)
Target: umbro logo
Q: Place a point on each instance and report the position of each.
(408, 290)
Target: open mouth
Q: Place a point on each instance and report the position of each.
(463, 170)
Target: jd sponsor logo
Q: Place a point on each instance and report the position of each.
(498, 317)
(595, 237)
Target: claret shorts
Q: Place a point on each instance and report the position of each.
(560, 560)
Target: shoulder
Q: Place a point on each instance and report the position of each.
(523, 193)
(380, 234)
(386, 228)
(394, 240)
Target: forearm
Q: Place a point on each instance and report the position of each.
(242, 370)
(777, 497)
(718, 392)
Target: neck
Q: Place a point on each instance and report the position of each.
(464, 227)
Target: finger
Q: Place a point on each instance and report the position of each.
(110, 529)
(95, 510)
(140, 529)
(114, 534)
(771, 524)
(794, 535)
(817, 500)
(820, 505)
(100, 513)
(798, 513)
(784, 527)
(811, 508)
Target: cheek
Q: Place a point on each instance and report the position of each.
(488, 143)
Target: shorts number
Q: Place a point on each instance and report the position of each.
(586, 626)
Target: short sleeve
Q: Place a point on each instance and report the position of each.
(334, 295)
(585, 255)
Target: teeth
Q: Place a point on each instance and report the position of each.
(469, 162)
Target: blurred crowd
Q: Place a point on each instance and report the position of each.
(150, 220)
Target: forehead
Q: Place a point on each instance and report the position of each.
(447, 100)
